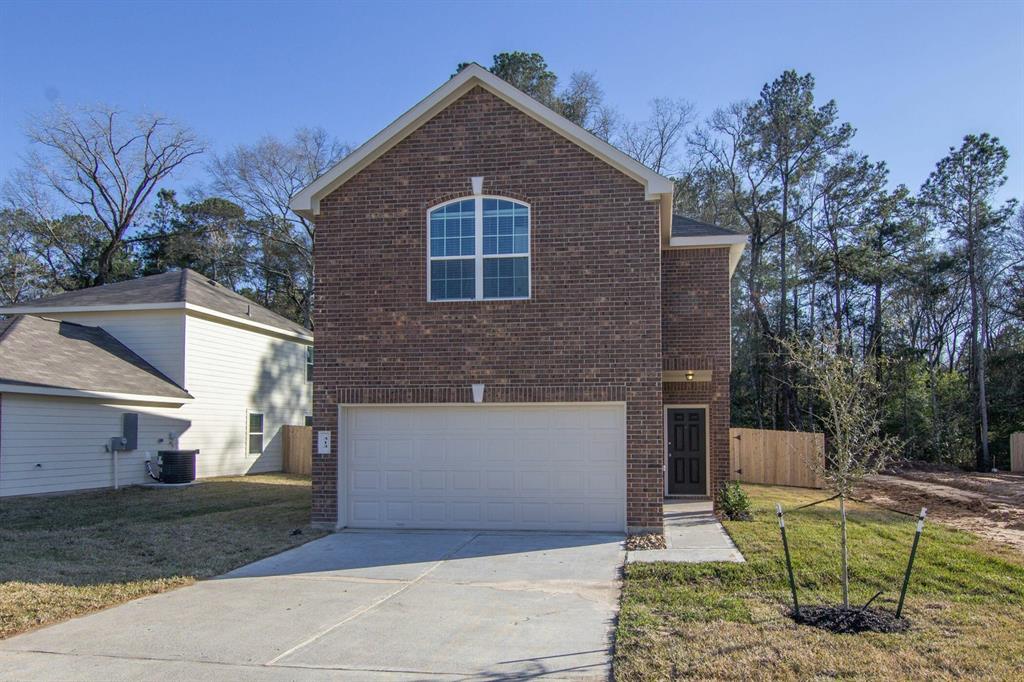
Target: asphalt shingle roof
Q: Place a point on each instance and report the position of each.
(178, 286)
(38, 351)
(688, 227)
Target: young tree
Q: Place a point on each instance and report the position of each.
(960, 194)
(849, 414)
(103, 164)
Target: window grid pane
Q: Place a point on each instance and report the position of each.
(506, 227)
(506, 277)
(452, 279)
(453, 229)
(505, 231)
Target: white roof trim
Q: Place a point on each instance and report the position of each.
(95, 395)
(177, 305)
(307, 201)
(245, 322)
(735, 242)
(43, 309)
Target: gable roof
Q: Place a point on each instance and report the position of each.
(307, 201)
(688, 227)
(40, 355)
(175, 289)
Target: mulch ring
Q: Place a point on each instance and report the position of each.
(645, 541)
(851, 620)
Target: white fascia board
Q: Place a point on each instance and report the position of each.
(307, 201)
(131, 307)
(245, 322)
(101, 308)
(94, 395)
(735, 243)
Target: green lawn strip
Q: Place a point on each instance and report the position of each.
(711, 620)
(64, 556)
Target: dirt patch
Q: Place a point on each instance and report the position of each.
(848, 620)
(989, 505)
(645, 541)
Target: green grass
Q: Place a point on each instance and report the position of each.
(728, 621)
(62, 556)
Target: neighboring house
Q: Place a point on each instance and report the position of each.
(513, 330)
(203, 367)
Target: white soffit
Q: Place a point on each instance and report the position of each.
(307, 201)
(735, 243)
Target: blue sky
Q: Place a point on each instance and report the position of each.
(913, 78)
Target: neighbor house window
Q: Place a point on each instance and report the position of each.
(309, 363)
(479, 249)
(255, 433)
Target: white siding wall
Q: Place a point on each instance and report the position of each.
(158, 336)
(50, 444)
(231, 370)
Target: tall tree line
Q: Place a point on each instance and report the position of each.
(925, 283)
(928, 283)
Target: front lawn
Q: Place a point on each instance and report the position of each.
(728, 621)
(63, 556)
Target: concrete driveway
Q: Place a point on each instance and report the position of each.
(359, 605)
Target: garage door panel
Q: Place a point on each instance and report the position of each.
(429, 451)
(532, 482)
(433, 480)
(464, 481)
(532, 449)
(431, 511)
(364, 512)
(466, 512)
(367, 451)
(500, 467)
(605, 450)
(570, 482)
(501, 481)
(601, 483)
(366, 480)
(532, 418)
(398, 480)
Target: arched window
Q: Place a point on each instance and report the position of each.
(478, 249)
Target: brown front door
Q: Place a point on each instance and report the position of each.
(687, 429)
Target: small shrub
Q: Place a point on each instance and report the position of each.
(734, 503)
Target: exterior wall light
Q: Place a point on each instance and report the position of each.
(689, 375)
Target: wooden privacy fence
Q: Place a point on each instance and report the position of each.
(1017, 452)
(298, 449)
(776, 457)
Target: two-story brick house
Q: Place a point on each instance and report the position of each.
(513, 331)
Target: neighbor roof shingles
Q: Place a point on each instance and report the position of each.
(37, 351)
(688, 227)
(178, 286)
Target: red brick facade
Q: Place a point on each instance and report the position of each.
(591, 331)
(696, 335)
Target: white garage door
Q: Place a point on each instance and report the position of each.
(551, 467)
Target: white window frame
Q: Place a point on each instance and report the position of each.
(262, 433)
(478, 256)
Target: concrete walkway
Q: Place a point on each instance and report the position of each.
(382, 605)
(693, 535)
